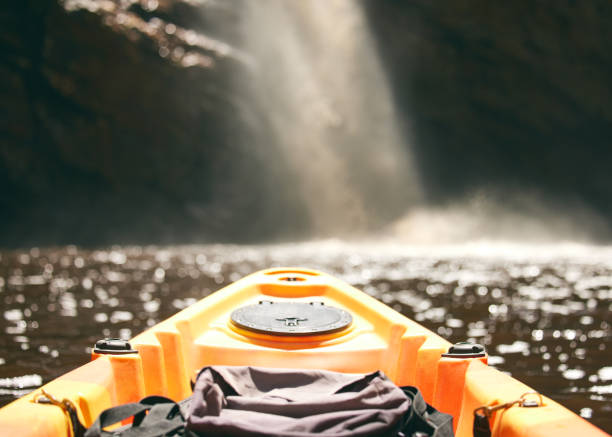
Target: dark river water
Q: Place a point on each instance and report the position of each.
(543, 312)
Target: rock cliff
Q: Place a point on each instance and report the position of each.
(512, 98)
(121, 120)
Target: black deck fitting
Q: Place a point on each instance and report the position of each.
(466, 349)
(114, 346)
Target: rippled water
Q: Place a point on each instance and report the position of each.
(543, 312)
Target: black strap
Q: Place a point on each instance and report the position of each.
(482, 427)
(424, 420)
(78, 430)
(164, 418)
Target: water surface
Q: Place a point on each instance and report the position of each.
(543, 312)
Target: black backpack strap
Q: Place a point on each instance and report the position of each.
(482, 427)
(164, 418)
(424, 420)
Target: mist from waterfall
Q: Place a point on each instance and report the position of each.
(319, 84)
(326, 115)
(199, 121)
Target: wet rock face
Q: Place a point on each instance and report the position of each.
(119, 123)
(508, 96)
(125, 120)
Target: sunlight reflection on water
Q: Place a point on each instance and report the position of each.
(542, 311)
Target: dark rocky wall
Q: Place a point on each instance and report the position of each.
(508, 97)
(122, 121)
(121, 124)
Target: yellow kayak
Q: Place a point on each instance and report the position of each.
(292, 318)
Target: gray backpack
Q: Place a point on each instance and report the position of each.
(259, 402)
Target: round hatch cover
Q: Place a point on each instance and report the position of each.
(291, 318)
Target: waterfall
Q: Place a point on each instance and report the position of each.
(317, 81)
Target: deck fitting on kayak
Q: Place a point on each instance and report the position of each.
(466, 349)
(291, 318)
(527, 403)
(114, 346)
(292, 279)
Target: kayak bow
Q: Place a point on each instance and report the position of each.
(292, 318)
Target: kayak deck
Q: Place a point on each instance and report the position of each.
(167, 356)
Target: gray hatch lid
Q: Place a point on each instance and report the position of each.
(291, 318)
